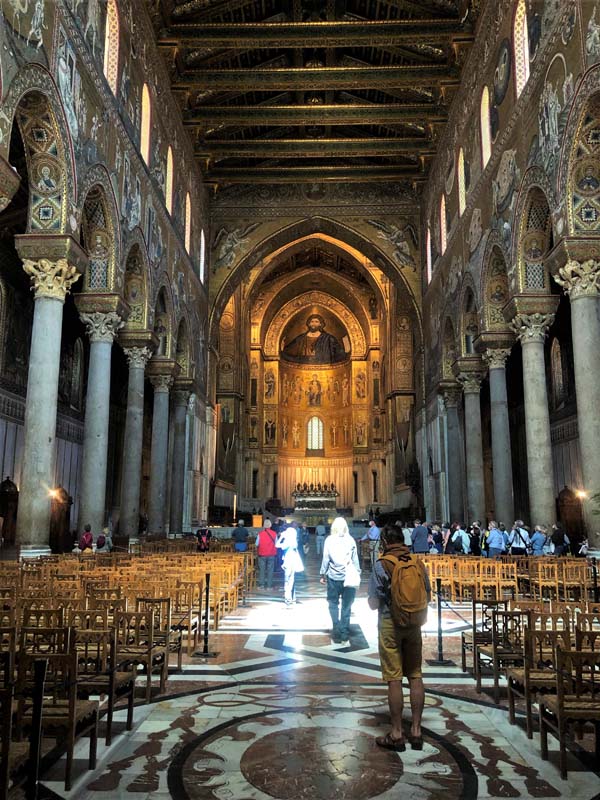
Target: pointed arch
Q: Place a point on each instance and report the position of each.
(449, 349)
(521, 47)
(146, 125)
(534, 236)
(485, 127)
(137, 290)
(460, 174)
(111, 46)
(442, 224)
(183, 349)
(169, 181)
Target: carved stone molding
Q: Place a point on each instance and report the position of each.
(181, 397)
(471, 382)
(452, 398)
(531, 327)
(162, 383)
(102, 327)
(51, 278)
(579, 278)
(496, 359)
(137, 357)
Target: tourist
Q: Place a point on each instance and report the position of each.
(460, 541)
(518, 539)
(240, 537)
(287, 542)
(104, 542)
(372, 536)
(494, 541)
(338, 553)
(437, 540)
(419, 538)
(474, 534)
(560, 540)
(400, 642)
(538, 541)
(267, 554)
(203, 537)
(321, 532)
(86, 541)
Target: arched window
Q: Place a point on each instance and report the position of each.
(146, 123)
(202, 254)
(111, 46)
(558, 376)
(521, 47)
(462, 194)
(169, 181)
(314, 434)
(428, 253)
(443, 225)
(188, 222)
(484, 120)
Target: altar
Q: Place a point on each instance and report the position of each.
(313, 503)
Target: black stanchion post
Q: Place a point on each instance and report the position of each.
(595, 580)
(205, 652)
(440, 661)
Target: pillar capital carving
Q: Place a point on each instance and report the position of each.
(531, 327)
(470, 381)
(579, 278)
(137, 357)
(496, 358)
(102, 327)
(161, 383)
(181, 397)
(51, 278)
(452, 397)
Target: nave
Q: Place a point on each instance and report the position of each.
(282, 712)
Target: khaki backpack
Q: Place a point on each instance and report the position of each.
(408, 595)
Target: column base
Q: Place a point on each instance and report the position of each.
(34, 551)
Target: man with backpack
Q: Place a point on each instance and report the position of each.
(400, 590)
(267, 554)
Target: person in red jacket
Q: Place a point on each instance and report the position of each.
(267, 553)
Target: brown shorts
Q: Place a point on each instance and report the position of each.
(400, 650)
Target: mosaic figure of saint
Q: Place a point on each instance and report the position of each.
(315, 345)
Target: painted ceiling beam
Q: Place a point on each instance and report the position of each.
(311, 148)
(259, 35)
(363, 114)
(362, 174)
(317, 78)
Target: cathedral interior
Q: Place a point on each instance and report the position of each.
(299, 259)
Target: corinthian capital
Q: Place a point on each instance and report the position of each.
(531, 327)
(496, 358)
(161, 383)
(138, 357)
(51, 278)
(580, 278)
(102, 327)
(471, 382)
(452, 398)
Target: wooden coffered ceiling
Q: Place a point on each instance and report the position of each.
(314, 90)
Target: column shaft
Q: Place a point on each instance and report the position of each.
(540, 470)
(501, 451)
(455, 467)
(178, 463)
(39, 451)
(132, 448)
(474, 452)
(160, 455)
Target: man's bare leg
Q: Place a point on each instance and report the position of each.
(417, 702)
(396, 704)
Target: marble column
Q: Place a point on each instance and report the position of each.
(137, 358)
(51, 281)
(160, 454)
(180, 401)
(581, 281)
(454, 460)
(474, 448)
(531, 330)
(501, 451)
(102, 329)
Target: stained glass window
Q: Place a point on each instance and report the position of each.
(428, 253)
(484, 118)
(169, 182)
(111, 46)
(443, 225)
(202, 255)
(521, 47)
(314, 434)
(188, 222)
(462, 194)
(146, 122)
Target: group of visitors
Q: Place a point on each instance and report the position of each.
(87, 546)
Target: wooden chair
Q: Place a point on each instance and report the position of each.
(163, 627)
(481, 628)
(488, 583)
(97, 675)
(538, 673)
(505, 649)
(545, 580)
(574, 579)
(64, 717)
(187, 611)
(577, 701)
(136, 645)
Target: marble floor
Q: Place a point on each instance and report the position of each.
(280, 712)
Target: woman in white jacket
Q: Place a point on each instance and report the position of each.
(292, 562)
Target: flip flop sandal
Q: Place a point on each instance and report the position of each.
(416, 742)
(389, 743)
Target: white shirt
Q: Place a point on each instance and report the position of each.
(337, 552)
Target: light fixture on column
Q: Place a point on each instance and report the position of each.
(53, 493)
(581, 494)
